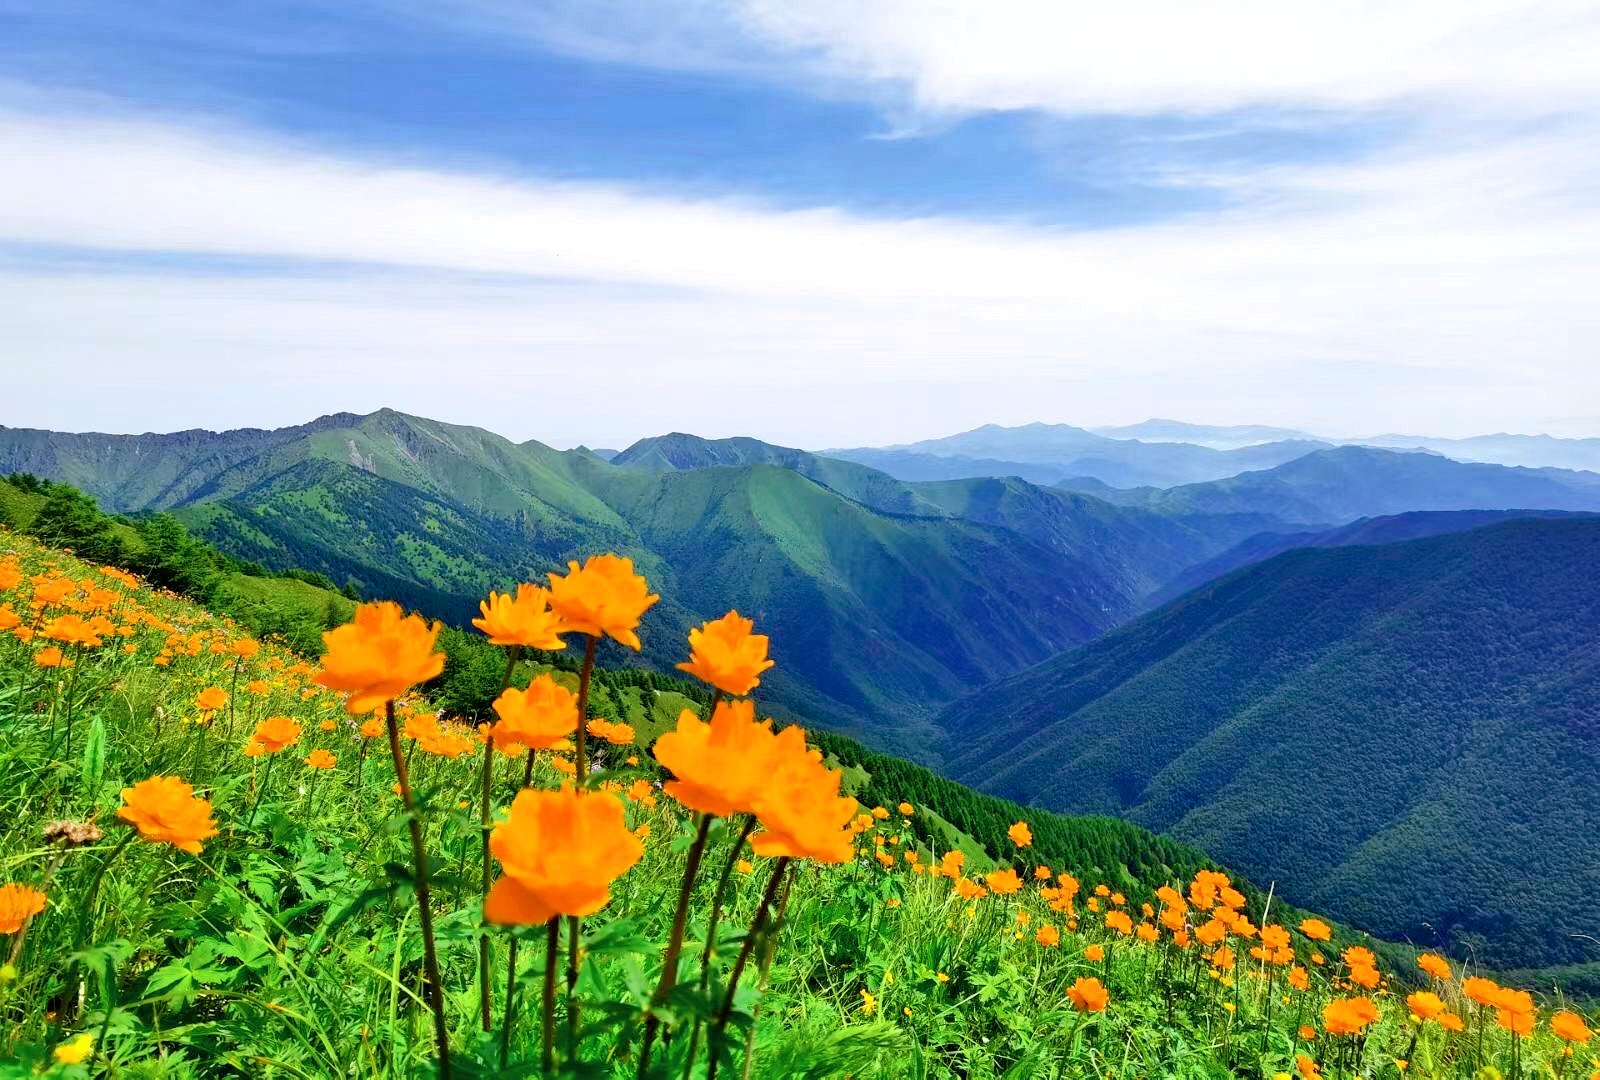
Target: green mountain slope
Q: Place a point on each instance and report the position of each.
(1405, 735)
(890, 601)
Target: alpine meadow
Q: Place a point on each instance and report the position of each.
(738, 540)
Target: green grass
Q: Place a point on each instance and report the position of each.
(289, 947)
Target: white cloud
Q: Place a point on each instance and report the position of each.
(1445, 287)
(1087, 56)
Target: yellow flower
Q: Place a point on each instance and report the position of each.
(603, 597)
(1020, 834)
(75, 1052)
(724, 653)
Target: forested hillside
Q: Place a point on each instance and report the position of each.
(1406, 735)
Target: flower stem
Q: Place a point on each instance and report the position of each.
(757, 926)
(552, 953)
(580, 775)
(711, 927)
(669, 958)
(266, 774)
(485, 997)
(419, 855)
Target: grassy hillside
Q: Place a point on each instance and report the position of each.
(893, 600)
(1403, 735)
(286, 940)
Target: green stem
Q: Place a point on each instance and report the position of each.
(419, 855)
(485, 997)
(266, 774)
(757, 926)
(669, 958)
(552, 954)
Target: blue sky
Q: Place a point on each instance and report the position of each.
(816, 222)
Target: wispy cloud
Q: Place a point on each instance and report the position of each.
(1422, 288)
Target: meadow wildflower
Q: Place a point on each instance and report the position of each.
(166, 810)
(524, 620)
(18, 904)
(536, 718)
(560, 851)
(603, 597)
(725, 653)
(1088, 995)
(378, 656)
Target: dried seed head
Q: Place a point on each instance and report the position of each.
(72, 833)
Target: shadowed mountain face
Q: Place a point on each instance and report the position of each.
(1406, 735)
(884, 600)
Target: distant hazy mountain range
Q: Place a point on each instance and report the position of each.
(1164, 453)
(1404, 734)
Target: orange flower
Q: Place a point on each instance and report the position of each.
(1020, 834)
(71, 629)
(615, 734)
(801, 812)
(1316, 930)
(321, 759)
(1298, 978)
(721, 766)
(1425, 1005)
(1570, 1026)
(18, 904)
(1348, 1016)
(166, 810)
(1119, 921)
(245, 648)
(51, 656)
(537, 718)
(1003, 882)
(9, 620)
(378, 656)
(1088, 995)
(1451, 1022)
(560, 852)
(1094, 954)
(211, 699)
(1514, 1011)
(906, 810)
(1481, 990)
(1362, 975)
(10, 576)
(1434, 965)
(1048, 936)
(724, 653)
(276, 733)
(526, 620)
(1307, 1068)
(1274, 937)
(371, 728)
(605, 596)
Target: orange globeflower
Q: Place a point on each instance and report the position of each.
(50, 656)
(604, 596)
(10, 576)
(1088, 995)
(1434, 965)
(1048, 936)
(801, 812)
(721, 766)
(1514, 1011)
(560, 851)
(1020, 834)
(615, 734)
(537, 718)
(1425, 1005)
(1120, 921)
(211, 699)
(1298, 978)
(526, 620)
(18, 904)
(245, 648)
(1003, 882)
(1570, 1027)
(1348, 1016)
(724, 653)
(1308, 1069)
(321, 759)
(1094, 954)
(1481, 990)
(166, 810)
(1316, 930)
(276, 733)
(906, 810)
(1451, 1022)
(379, 655)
